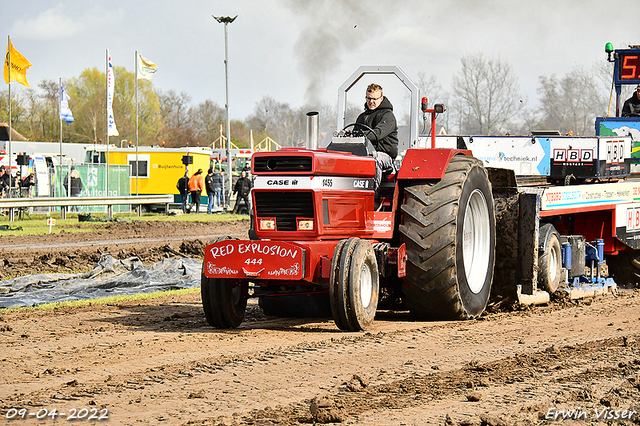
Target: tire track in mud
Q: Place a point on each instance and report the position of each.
(148, 364)
(576, 385)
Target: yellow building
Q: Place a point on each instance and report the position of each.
(158, 168)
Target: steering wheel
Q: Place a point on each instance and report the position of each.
(370, 130)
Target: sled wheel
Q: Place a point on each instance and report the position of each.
(448, 227)
(625, 269)
(550, 258)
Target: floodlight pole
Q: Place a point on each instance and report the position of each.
(227, 20)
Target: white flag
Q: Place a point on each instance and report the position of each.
(65, 111)
(111, 124)
(146, 68)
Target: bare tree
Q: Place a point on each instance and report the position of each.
(486, 94)
(43, 117)
(572, 103)
(174, 116)
(274, 119)
(206, 119)
(432, 90)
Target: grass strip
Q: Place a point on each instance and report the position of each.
(37, 225)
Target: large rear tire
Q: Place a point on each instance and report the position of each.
(550, 258)
(354, 285)
(625, 269)
(448, 227)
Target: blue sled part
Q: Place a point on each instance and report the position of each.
(582, 284)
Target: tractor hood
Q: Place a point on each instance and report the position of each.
(299, 161)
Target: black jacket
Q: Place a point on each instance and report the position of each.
(76, 184)
(183, 185)
(243, 186)
(208, 184)
(217, 180)
(5, 182)
(385, 128)
(631, 106)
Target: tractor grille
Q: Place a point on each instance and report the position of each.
(285, 207)
(283, 164)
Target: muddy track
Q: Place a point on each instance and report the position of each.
(157, 361)
(71, 251)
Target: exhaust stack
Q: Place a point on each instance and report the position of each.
(312, 129)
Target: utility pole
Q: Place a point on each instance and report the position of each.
(227, 20)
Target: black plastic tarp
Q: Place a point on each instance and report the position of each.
(109, 277)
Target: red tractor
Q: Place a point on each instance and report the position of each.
(318, 229)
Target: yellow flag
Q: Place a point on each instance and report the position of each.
(19, 66)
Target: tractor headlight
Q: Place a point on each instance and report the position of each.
(305, 225)
(267, 224)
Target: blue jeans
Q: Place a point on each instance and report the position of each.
(210, 206)
(185, 199)
(219, 197)
(383, 162)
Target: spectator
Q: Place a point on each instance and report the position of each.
(211, 192)
(26, 183)
(631, 107)
(196, 185)
(217, 185)
(5, 182)
(183, 188)
(15, 180)
(73, 183)
(242, 188)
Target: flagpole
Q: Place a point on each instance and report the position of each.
(60, 117)
(137, 164)
(107, 114)
(10, 67)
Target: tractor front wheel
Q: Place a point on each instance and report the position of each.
(224, 301)
(354, 285)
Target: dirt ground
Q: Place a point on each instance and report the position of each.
(70, 251)
(156, 361)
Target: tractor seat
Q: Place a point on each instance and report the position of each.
(355, 145)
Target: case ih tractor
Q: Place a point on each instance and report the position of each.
(445, 232)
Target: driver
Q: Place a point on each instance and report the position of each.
(378, 115)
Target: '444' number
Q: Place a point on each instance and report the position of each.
(253, 262)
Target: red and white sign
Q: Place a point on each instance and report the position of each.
(254, 259)
(615, 152)
(572, 155)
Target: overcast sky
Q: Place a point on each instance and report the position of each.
(300, 52)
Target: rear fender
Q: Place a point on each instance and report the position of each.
(427, 163)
